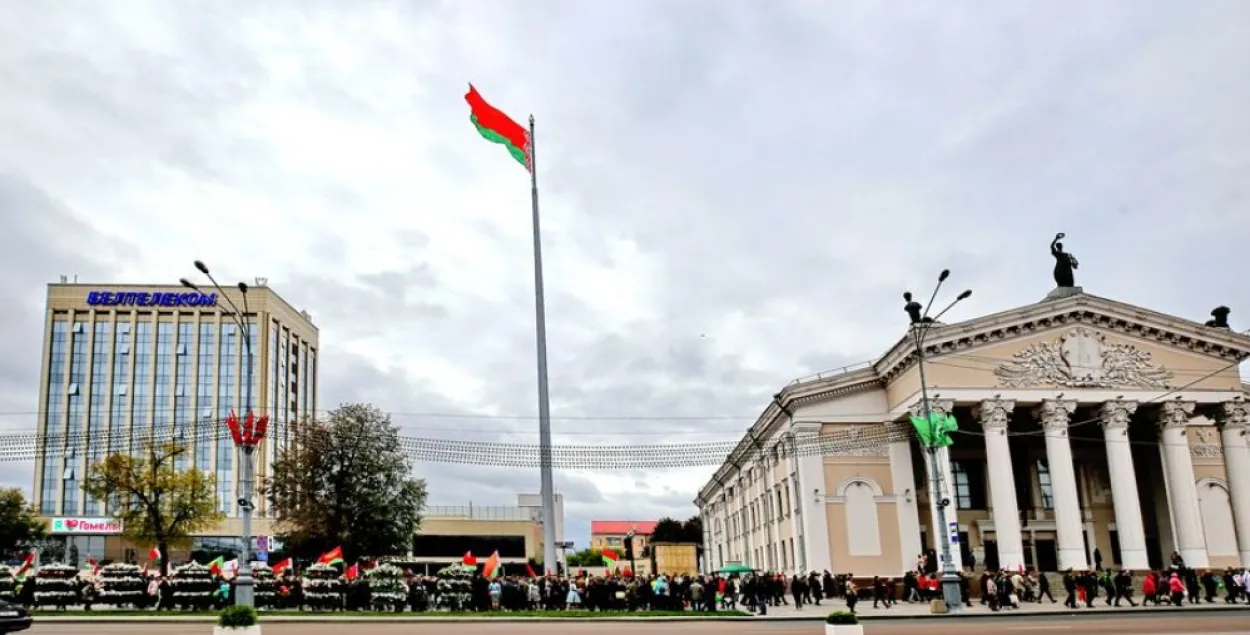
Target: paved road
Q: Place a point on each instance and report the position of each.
(1237, 623)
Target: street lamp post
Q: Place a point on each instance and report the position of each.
(921, 324)
(243, 583)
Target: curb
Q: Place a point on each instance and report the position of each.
(814, 617)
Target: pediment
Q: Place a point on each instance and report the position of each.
(1079, 342)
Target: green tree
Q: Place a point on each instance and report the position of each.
(156, 502)
(19, 522)
(349, 484)
(668, 530)
(693, 530)
(584, 558)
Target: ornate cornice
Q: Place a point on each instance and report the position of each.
(1116, 415)
(1175, 414)
(1088, 310)
(1234, 414)
(943, 406)
(994, 414)
(1055, 414)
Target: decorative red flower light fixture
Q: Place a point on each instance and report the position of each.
(248, 433)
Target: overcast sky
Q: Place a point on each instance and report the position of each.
(735, 194)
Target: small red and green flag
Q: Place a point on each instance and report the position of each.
(496, 127)
(155, 555)
(331, 557)
(217, 567)
(493, 566)
(28, 564)
(352, 572)
(281, 567)
(610, 559)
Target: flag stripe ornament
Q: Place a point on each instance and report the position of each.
(331, 557)
(496, 127)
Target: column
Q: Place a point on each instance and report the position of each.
(774, 525)
(1234, 421)
(1182, 492)
(903, 476)
(1054, 415)
(943, 456)
(995, 414)
(812, 482)
(797, 559)
(1115, 417)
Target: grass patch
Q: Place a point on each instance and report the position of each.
(406, 614)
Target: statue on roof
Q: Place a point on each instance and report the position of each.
(1219, 317)
(1065, 263)
(914, 309)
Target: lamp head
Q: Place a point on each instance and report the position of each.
(243, 287)
(188, 284)
(199, 264)
(965, 295)
(946, 273)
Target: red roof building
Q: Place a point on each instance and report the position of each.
(610, 534)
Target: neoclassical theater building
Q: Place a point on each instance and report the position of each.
(1089, 430)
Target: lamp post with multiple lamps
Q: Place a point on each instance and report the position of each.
(243, 585)
(921, 324)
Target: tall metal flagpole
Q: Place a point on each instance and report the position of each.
(544, 406)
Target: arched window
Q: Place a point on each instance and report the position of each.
(1217, 518)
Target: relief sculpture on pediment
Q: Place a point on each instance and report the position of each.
(1082, 358)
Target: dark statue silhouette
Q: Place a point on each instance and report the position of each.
(1065, 263)
(1219, 317)
(913, 309)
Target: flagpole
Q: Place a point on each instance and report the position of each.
(544, 405)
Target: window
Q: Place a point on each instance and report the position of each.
(1043, 481)
(963, 488)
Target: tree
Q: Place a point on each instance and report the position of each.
(668, 530)
(584, 558)
(693, 529)
(19, 522)
(156, 503)
(348, 484)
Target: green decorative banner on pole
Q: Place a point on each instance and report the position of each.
(935, 431)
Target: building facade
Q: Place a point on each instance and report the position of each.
(612, 534)
(1090, 432)
(449, 531)
(126, 363)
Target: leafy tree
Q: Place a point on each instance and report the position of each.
(348, 484)
(584, 558)
(693, 529)
(668, 530)
(156, 502)
(19, 522)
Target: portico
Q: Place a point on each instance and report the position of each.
(1091, 433)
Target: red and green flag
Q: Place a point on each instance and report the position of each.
(331, 557)
(496, 127)
(610, 559)
(217, 566)
(281, 567)
(493, 566)
(155, 555)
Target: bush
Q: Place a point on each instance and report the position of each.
(193, 586)
(323, 588)
(842, 618)
(387, 588)
(121, 585)
(237, 617)
(56, 585)
(8, 585)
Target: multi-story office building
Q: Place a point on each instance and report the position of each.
(125, 363)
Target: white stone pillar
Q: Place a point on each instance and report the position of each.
(1054, 415)
(1182, 492)
(947, 491)
(1234, 420)
(812, 480)
(903, 476)
(797, 551)
(995, 414)
(1115, 417)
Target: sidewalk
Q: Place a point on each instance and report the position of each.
(918, 610)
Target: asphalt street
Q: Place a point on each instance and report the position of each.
(1232, 623)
